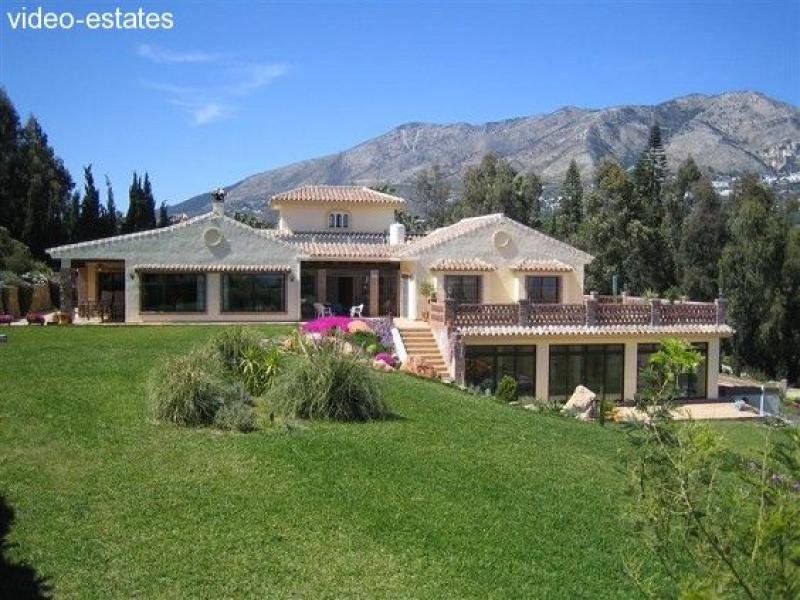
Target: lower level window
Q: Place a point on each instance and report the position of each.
(690, 385)
(486, 365)
(254, 292)
(464, 288)
(173, 292)
(598, 367)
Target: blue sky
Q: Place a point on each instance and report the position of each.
(239, 87)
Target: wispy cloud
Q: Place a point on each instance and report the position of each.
(160, 55)
(234, 80)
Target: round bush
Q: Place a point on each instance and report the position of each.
(236, 412)
(329, 385)
(507, 389)
(189, 389)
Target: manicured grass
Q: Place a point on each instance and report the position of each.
(456, 497)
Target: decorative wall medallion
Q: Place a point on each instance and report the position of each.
(501, 239)
(213, 236)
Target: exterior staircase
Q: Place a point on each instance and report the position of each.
(419, 341)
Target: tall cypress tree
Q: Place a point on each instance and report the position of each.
(750, 271)
(133, 216)
(704, 232)
(570, 209)
(149, 205)
(163, 215)
(111, 226)
(91, 224)
(528, 205)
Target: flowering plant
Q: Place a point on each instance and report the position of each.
(385, 357)
(327, 325)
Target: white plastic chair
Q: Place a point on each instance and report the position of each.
(355, 311)
(322, 310)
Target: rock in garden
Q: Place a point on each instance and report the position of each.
(581, 401)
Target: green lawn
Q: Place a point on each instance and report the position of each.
(457, 497)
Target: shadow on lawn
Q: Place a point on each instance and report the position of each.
(17, 579)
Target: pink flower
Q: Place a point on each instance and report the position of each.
(385, 357)
(326, 325)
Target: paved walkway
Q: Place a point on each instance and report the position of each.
(698, 412)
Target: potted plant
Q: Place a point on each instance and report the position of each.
(428, 292)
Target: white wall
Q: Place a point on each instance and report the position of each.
(314, 216)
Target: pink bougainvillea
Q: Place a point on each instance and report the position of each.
(326, 325)
(385, 357)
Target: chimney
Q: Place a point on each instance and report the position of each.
(218, 202)
(397, 234)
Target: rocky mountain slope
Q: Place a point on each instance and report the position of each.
(728, 134)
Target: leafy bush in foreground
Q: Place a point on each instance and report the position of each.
(236, 413)
(231, 343)
(258, 366)
(507, 389)
(329, 385)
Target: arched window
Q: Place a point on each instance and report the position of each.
(338, 220)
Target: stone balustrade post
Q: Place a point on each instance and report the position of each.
(457, 360)
(591, 309)
(721, 304)
(450, 311)
(655, 311)
(524, 313)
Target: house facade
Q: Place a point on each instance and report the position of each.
(507, 298)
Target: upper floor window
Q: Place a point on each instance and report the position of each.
(464, 288)
(338, 220)
(544, 290)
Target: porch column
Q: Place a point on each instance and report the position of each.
(542, 371)
(322, 282)
(374, 290)
(630, 373)
(712, 376)
(413, 312)
(65, 283)
(91, 281)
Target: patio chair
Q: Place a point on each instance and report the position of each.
(322, 310)
(355, 311)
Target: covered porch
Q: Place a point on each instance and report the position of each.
(96, 289)
(371, 288)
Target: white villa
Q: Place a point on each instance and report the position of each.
(508, 299)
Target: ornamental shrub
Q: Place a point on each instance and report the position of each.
(329, 385)
(236, 413)
(327, 325)
(258, 366)
(231, 343)
(507, 389)
(189, 389)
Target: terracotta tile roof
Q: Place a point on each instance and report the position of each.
(212, 268)
(541, 265)
(345, 250)
(455, 264)
(336, 193)
(600, 330)
(450, 232)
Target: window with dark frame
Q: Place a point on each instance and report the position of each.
(338, 220)
(464, 288)
(599, 367)
(173, 292)
(544, 289)
(690, 385)
(484, 366)
(254, 292)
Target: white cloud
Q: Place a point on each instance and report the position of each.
(236, 81)
(160, 55)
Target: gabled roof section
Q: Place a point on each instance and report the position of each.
(442, 235)
(530, 266)
(350, 194)
(55, 251)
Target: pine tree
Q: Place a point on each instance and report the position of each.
(163, 215)
(608, 213)
(45, 185)
(91, 224)
(704, 231)
(431, 192)
(528, 204)
(750, 274)
(111, 226)
(569, 213)
(678, 201)
(12, 209)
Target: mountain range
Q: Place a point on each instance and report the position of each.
(727, 134)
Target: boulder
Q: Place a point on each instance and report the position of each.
(358, 326)
(40, 298)
(582, 401)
